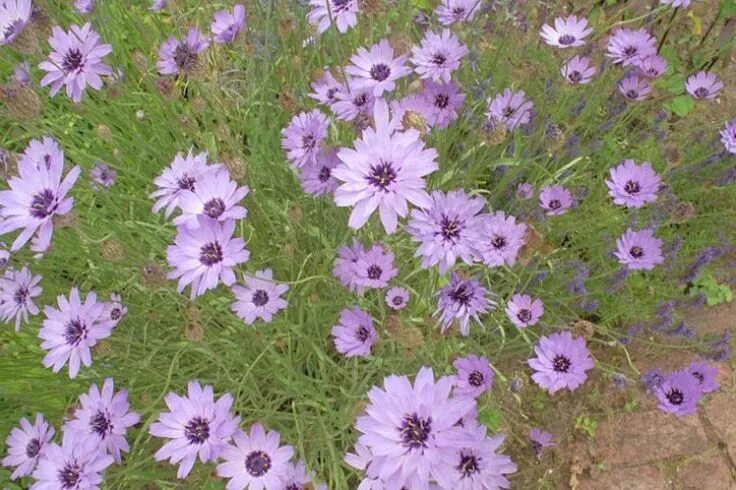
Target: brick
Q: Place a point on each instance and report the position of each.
(706, 472)
(720, 410)
(647, 477)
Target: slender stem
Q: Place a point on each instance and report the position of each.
(667, 31)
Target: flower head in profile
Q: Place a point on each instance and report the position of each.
(105, 417)
(578, 71)
(501, 238)
(728, 136)
(76, 61)
(375, 267)
(524, 311)
(462, 300)
(355, 335)
(628, 47)
(652, 66)
(316, 178)
(703, 85)
(182, 57)
(302, 138)
(341, 13)
(14, 17)
(182, 175)
(634, 87)
(255, 460)
(676, 3)
(377, 69)
(561, 362)
(555, 200)
(633, 185)
(102, 175)
(227, 25)
(259, 298)
(26, 444)
(197, 426)
(679, 393)
(540, 440)
(452, 11)
(474, 376)
(115, 310)
(438, 55)
(70, 331)
(206, 255)
(443, 100)
(568, 32)
(84, 7)
(706, 375)
(639, 250)
(17, 290)
(384, 171)
(215, 197)
(511, 108)
(76, 464)
(397, 298)
(326, 89)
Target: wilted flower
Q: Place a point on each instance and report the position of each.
(355, 335)
(639, 250)
(226, 26)
(302, 138)
(397, 298)
(17, 290)
(22, 73)
(377, 69)
(628, 47)
(555, 200)
(561, 362)
(703, 85)
(578, 70)
(525, 190)
(181, 57)
(260, 298)
(633, 185)
(524, 311)
(634, 88)
(676, 3)
(438, 55)
(474, 376)
(451, 11)
(652, 379)
(26, 444)
(568, 32)
(679, 393)
(511, 108)
(461, 300)
(158, 5)
(343, 13)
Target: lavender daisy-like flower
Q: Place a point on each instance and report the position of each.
(628, 47)
(115, 310)
(578, 71)
(705, 374)
(76, 61)
(679, 393)
(22, 73)
(633, 185)
(345, 265)
(17, 290)
(326, 89)
(384, 171)
(355, 335)
(181, 57)
(448, 230)
(568, 32)
(255, 461)
(525, 191)
(676, 3)
(377, 69)
(501, 238)
(353, 103)
(474, 376)
(639, 250)
(451, 11)
(444, 100)
(524, 311)
(412, 112)
(302, 138)
(343, 13)
(634, 87)
(46, 152)
(397, 298)
(75, 465)
(182, 175)
(540, 439)
(227, 25)
(157, 5)
(555, 200)
(14, 16)
(34, 198)
(197, 426)
(26, 444)
(728, 136)
(703, 85)
(298, 478)
(215, 197)
(511, 108)
(652, 66)
(105, 417)
(461, 300)
(205, 256)
(438, 55)
(102, 175)
(561, 362)
(70, 331)
(316, 178)
(375, 267)
(260, 298)
(84, 7)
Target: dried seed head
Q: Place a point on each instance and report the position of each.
(199, 105)
(409, 337)
(21, 101)
(140, 60)
(401, 43)
(112, 250)
(166, 88)
(295, 213)
(494, 132)
(236, 166)
(414, 120)
(194, 332)
(104, 133)
(371, 6)
(41, 23)
(152, 276)
(103, 348)
(683, 212)
(287, 101)
(68, 220)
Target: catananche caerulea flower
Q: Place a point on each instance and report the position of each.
(375, 267)
(355, 334)
(14, 17)
(298, 478)
(260, 298)
(197, 425)
(501, 238)
(227, 25)
(639, 250)
(561, 362)
(703, 85)
(26, 444)
(377, 68)
(524, 311)
(352, 103)
(384, 171)
(652, 66)
(705, 374)
(158, 5)
(451, 11)
(316, 178)
(75, 465)
(628, 47)
(461, 300)
(438, 55)
(342, 13)
(17, 290)
(84, 7)
(540, 439)
(443, 99)
(105, 417)
(413, 111)
(46, 152)
(511, 108)
(76, 61)
(679, 393)
(181, 57)
(397, 298)
(326, 89)
(215, 196)
(22, 73)
(102, 175)
(568, 32)
(634, 87)
(633, 185)
(728, 136)
(578, 71)
(345, 265)
(115, 310)
(555, 200)
(474, 376)
(302, 138)
(676, 3)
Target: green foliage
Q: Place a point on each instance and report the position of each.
(586, 425)
(715, 293)
(682, 105)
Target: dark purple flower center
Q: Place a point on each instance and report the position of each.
(382, 175)
(508, 111)
(461, 295)
(340, 5)
(197, 430)
(675, 396)
(450, 228)
(380, 72)
(185, 57)
(475, 378)
(33, 448)
(632, 187)
(498, 242)
(210, 254)
(330, 94)
(70, 475)
(186, 182)
(374, 272)
(630, 51)
(439, 59)
(308, 142)
(698, 375)
(636, 252)
(554, 204)
(632, 93)
(100, 424)
(397, 300)
(458, 12)
(214, 208)
(575, 76)
(524, 315)
(566, 39)
(360, 100)
(116, 313)
(75, 331)
(43, 204)
(260, 297)
(324, 174)
(21, 295)
(537, 446)
(469, 464)
(701, 92)
(441, 101)
(362, 333)
(415, 431)
(72, 61)
(258, 463)
(561, 364)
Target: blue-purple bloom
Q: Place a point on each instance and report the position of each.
(511, 108)
(561, 362)
(728, 136)
(377, 69)
(634, 87)
(633, 185)
(555, 200)
(102, 175)
(438, 55)
(17, 290)
(578, 71)
(568, 32)
(462, 300)
(652, 66)
(352, 103)
(157, 5)
(443, 100)
(298, 478)
(706, 375)
(84, 7)
(501, 238)
(260, 298)
(227, 25)
(397, 298)
(76, 464)
(474, 376)
(703, 85)
(524, 311)
(540, 439)
(342, 13)
(26, 444)
(182, 57)
(302, 138)
(345, 265)
(355, 335)
(651, 380)
(316, 178)
(679, 393)
(375, 267)
(14, 17)
(451, 11)
(639, 250)
(629, 47)
(326, 89)
(182, 175)
(215, 196)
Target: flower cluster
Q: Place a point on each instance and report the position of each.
(678, 392)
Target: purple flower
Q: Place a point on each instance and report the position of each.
(102, 175)
(84, 7)
(255, 461)
(205, 256)
(652, 379)
(226, 26)
(69, 332)
(652, 66)
(182, 175)
(438, 55)
(703, 85)
(352, 103)
(14, 16)
(524, 311)
(411, 431)
(578, 70)
(634, 88)
(443, 100)
(555, 200)
(215, 197)
(260, 298)
(561, 362)
(345, 265)
(501, 238)
(474, 376)
(104, 416)
(676, 3)
(540, 440)
(511, 108)
(728, 136)
(302, 138)
(76, 61)
(633, 185)
(298, 478)
(34, 198)
(705, 374)
(115, 310)
(26, 444)
(22, 73)
(76, 464)
(384, 171)
(461, 300)
(316, 178)
(627, 46)
(326, 89)
(679, 393)
(525, 190)
(355, 334)
(451, 11)
(377, 69)
(412, 112)
(639, 250)
(397, 298)
(569, 32)
(196, 425)
(375, 267)
(448, 230)
(17, 290)
(158, 5)
(340, 12)
(181, 57)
